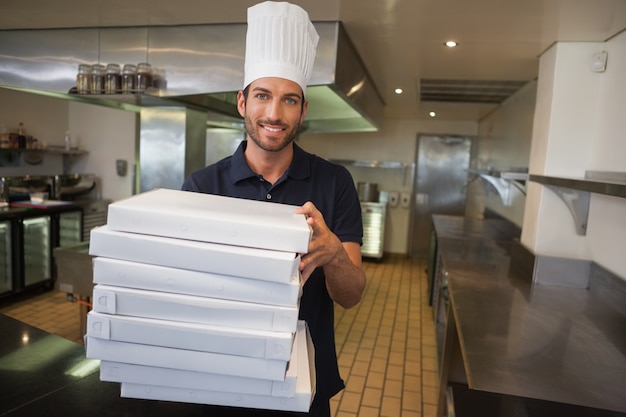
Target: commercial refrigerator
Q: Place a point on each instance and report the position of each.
(6, 257)
(374, 216)
(28, 234)
(70, 224)
(36, 242)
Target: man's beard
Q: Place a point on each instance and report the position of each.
(253, 133)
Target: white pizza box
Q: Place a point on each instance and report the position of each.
(190, 360)
(192, 309)
(177, 378)
(192, 336)
(268, 265)
(130, 274)
(300, 402)
(212, 218)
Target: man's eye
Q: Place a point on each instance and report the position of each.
(290, 101)
(261, 96)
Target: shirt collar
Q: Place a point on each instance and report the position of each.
(299, 169)
(239, 168)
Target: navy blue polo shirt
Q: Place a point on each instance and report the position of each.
(331, 188)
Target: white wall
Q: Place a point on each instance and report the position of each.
(396, 141)
(108, 134)
(503, 143)
(579, 125)
(45, 118)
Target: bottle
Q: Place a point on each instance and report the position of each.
(5, 139)
(112, 79)
(83, 79)
(68, 140)
(97, 79)
(21, 136)
(128, 79)
(144, 77)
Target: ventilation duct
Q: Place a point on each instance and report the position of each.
(468, 91)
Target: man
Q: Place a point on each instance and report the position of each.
(270, 166)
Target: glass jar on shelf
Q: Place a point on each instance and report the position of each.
(144, 77)
(97, 79)
(83, 79)
(112, 79)
(128, 78)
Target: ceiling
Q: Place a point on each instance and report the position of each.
(400, 41)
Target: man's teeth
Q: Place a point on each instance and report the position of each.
(272, 129)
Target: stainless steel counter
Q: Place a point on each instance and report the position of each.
(545, 342)
(457, 227)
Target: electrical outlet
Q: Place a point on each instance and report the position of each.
(405, 200)
(121, 166)
(598, 62)
(394, 197)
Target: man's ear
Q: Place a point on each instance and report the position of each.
(304, 109)
(241, 104)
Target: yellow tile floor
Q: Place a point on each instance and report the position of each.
(385, 345)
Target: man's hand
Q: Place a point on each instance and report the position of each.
(324, 244)
(345, 278)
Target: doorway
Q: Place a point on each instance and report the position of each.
(439, 186)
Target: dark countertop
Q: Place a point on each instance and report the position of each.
(23, 210)
(529, 340)
(45, 375)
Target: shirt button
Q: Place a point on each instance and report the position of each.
(268, 196)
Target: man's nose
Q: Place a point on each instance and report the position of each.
(274, 110)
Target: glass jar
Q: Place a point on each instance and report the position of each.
(144, 77)
(97, 79)
(158, 79)
(112, 79)
(83, 79)
(128, 78)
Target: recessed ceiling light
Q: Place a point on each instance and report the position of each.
(432, 114)
(450, 44)
(398, 91)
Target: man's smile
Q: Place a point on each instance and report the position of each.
(272, 129)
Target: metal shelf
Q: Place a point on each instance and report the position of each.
(502, 182)
(576, 193)
(394, 165)
(372, 164)
(50, 149)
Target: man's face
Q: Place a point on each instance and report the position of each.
(273, 111)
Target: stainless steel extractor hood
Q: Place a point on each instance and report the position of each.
(202, 66)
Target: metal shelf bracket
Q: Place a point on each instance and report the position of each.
(577, 202)
(502, 184)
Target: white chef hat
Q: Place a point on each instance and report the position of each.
(280, 42)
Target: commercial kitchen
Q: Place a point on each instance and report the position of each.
(493, 190)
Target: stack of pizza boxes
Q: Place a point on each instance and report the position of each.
(197, 299)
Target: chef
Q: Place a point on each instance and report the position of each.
(281, 44)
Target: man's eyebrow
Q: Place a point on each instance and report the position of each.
(261, 89)
(294, 95)
(265, 90)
